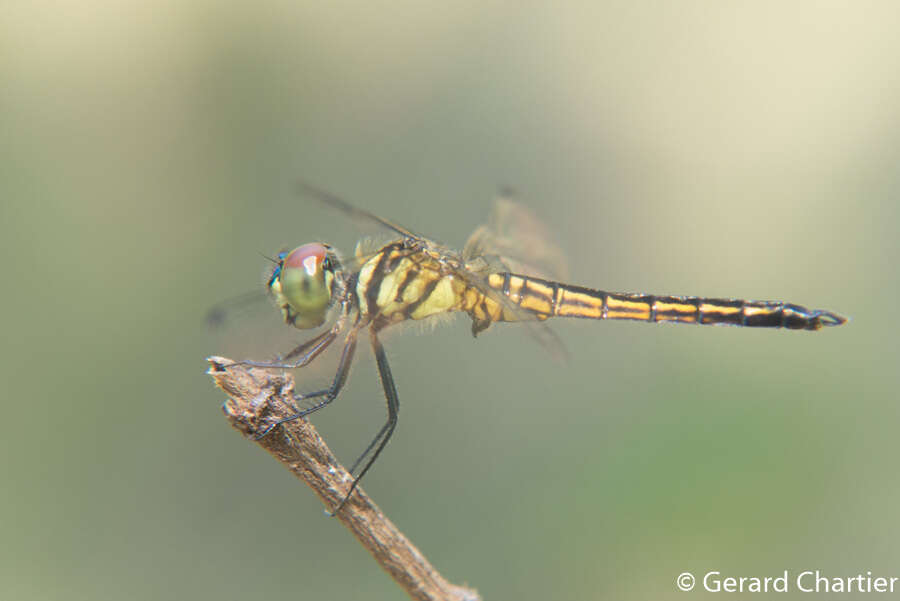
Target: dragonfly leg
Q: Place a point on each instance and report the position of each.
(305, 353)
(393, 405)
(369, 448)
(329, 393)
(305, 396)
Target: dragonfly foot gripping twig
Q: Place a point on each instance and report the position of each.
(259, 397)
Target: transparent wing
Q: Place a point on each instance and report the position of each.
(227, 310)
(493, 247)
(360, 216)
(378, 230)
(476, 273)
(516, 238)
(250, 325)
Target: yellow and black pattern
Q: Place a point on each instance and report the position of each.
(402, 283)
(552, 299)
(415, 278)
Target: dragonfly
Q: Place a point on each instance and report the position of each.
(508, 271)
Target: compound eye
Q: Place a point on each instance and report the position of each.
(305, 283)
(308, 257)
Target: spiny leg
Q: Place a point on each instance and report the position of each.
(393, 405)
(310, 349)
(306, 352)
(330, 393)
(387, 424)
(369, 448)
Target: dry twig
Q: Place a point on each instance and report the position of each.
(259, 397)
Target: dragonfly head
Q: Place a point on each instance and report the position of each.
(303, 284)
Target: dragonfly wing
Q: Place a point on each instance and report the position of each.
(516, 237)
(379, 231)
(224, 311)
(475, 274)
(360, 216)
(496, 246)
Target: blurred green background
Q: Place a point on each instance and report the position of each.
(147, 152)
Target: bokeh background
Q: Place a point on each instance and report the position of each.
(147, 157)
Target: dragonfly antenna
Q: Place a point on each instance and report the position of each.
(268, 258)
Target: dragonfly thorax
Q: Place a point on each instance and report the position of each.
(507, 272)
(303, 284)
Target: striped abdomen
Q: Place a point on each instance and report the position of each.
(552, 299)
